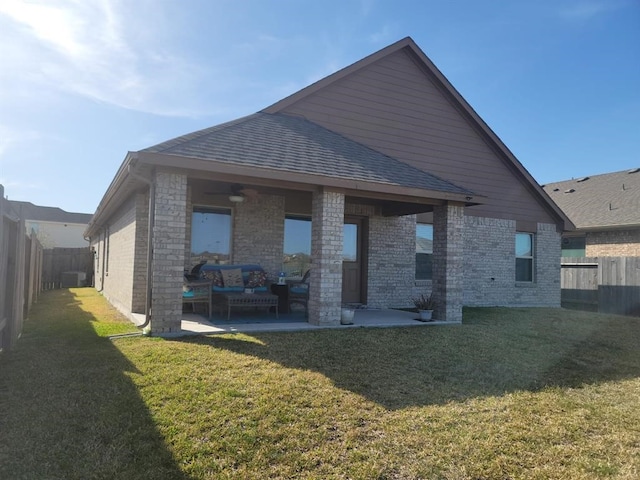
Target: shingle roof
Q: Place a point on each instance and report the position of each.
(608, 200)
(29, 211)
(293, 144)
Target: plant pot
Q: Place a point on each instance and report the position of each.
(425, 315)
(346, 317)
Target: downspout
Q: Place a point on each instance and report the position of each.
(151, 221)
(104, 256)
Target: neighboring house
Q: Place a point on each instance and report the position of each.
(606, 212)
(54, 227)
(350, 170)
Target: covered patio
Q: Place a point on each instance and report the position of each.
(239, 196)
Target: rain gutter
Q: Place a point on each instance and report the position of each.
(151, 222)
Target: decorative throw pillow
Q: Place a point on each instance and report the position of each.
(232, 277)
(214, 275)
(257, 278)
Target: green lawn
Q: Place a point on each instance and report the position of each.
(512, 393)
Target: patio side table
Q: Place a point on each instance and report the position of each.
(282, 291)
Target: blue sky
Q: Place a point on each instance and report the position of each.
(84, 81)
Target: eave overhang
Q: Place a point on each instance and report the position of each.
(306, 182)
(392, 199)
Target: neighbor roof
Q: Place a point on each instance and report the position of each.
(29, 211)
(292, 144)
(600, 201)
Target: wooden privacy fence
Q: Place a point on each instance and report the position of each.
(67, 267)
(20, 272)
(602, 284)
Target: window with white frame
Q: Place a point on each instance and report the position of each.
(424, 251)
(524, 257)
(211, 235)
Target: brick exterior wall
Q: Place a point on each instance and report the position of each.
(545, 290)
(258, 233)
(168, 251)
(117, 269)
(392, 261)
(327, 226)
(615, 243)
(448, 261)
(489, 260)
(489, 265)
(478, 266)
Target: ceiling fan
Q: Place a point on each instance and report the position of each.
(237, 193)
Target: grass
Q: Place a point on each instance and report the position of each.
(512, 393)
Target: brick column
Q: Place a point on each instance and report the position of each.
(327, 230)
(258, 232)
(448, 260)
(169, 235)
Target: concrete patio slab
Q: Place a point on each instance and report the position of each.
(194, 324)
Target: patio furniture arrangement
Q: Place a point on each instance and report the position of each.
(238, 286)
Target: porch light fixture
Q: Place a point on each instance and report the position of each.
(236, 198)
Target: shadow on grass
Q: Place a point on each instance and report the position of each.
(67, 407)
(495, 351)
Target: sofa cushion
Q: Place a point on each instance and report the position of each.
(233, 277)
(228, 289)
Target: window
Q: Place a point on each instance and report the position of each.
(211, 235)
(424, 251)
(524, 257)
(350, 242)
(297, 246)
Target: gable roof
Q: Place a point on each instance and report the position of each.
(319, 155)
(291, 144)
(29, 211)
(609, 200)
(431, 73)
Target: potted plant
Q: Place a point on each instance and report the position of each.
(347, 314)
(425, 305)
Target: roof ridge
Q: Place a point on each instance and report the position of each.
(625, 171)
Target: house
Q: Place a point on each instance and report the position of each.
(348, 171)
(54, 227)
(606, 212)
